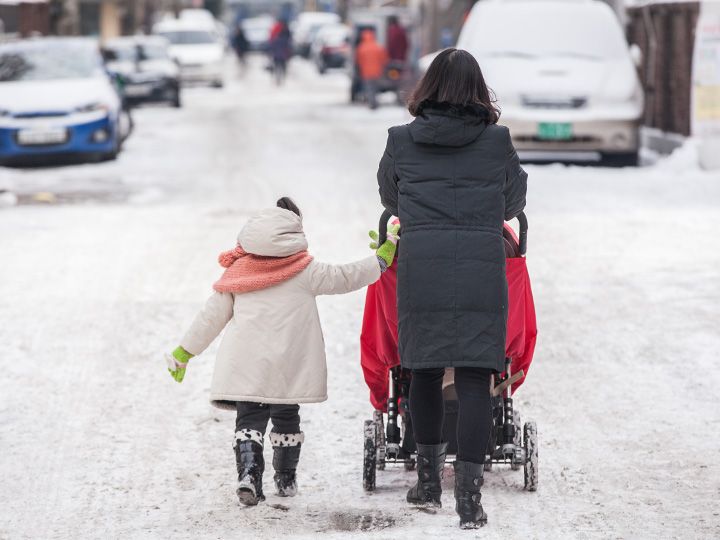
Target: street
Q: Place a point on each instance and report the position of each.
(98, 441)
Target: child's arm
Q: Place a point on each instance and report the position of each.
(208, 323)
(343, 278)
(205, 328)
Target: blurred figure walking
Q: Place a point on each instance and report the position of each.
(397, 41)
(240, 44)
(280, 47)
(371, 58)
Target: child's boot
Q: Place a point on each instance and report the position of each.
(468, 479)
(286, 448)
(250, 466)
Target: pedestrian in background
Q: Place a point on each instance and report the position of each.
(280, 45)
(397, 41)
(240, 43)
(372, 59)
(272, 354)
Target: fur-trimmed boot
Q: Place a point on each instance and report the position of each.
(250, 466)
(468, 479)
(286, 454)
(430, 462)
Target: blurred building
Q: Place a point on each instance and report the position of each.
(24, 18)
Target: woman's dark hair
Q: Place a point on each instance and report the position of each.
(455, 78)
(288, 204)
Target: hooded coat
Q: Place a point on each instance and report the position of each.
(452, 179)
(372, 58)
(273, 349)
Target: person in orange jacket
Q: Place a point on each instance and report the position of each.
(371, 58)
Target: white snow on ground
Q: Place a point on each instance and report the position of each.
(97, 441)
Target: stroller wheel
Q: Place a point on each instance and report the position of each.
(487, 466)
(531, 456)
(370, 456)
(516, 463)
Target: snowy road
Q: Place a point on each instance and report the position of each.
(97, 441)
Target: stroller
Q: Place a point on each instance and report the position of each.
(392, 441)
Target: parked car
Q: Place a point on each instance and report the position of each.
(148, 72)
(564, 77)
(306, 27)
(197, 46)
(56, 98)
(257, 31)
(331, 47)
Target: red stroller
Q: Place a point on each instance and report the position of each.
(510, 442)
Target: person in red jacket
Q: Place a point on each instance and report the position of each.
(397, 41)
(371, 58)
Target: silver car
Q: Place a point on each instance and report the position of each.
(564, 76)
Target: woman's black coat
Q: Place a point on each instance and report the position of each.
(452, 179)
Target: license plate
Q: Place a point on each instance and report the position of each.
(137, 90)
(42, 136)
(554, 131)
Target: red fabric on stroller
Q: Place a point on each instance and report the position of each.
(379, 337)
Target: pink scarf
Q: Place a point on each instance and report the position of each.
(247, 272)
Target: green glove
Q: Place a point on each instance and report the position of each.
(386, 251)
(177, 363)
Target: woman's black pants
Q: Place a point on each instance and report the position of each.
(474, 420)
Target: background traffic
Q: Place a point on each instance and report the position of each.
(570, 93)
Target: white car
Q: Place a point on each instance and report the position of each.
(306, 27)
(257, 31)
(564, 77)
(331, 47)
(197, 47)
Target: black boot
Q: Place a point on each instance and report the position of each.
(468, 479)
(250, 467)
(430, 462)
(286, 448)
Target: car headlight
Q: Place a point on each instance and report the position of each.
(93, 107)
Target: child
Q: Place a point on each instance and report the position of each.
(272, 356)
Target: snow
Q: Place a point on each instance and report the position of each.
(97, 441)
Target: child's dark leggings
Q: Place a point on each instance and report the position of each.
(285, 418)
(474, 420)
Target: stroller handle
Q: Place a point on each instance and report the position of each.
(382, 227)
(521, 217)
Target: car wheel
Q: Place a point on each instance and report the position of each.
(630, 159)
(218, 84)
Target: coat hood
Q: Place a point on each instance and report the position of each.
(443, 124)
(273, 232)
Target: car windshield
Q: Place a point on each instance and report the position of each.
(333, 36)
(153, 51)
(525, 30)
(47, 62)
(125, 53)
(188, 37)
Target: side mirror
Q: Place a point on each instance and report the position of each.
(636, 55)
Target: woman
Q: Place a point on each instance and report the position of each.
(452, 176)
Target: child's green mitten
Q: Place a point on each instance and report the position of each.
(177, 363)
(386, 251)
